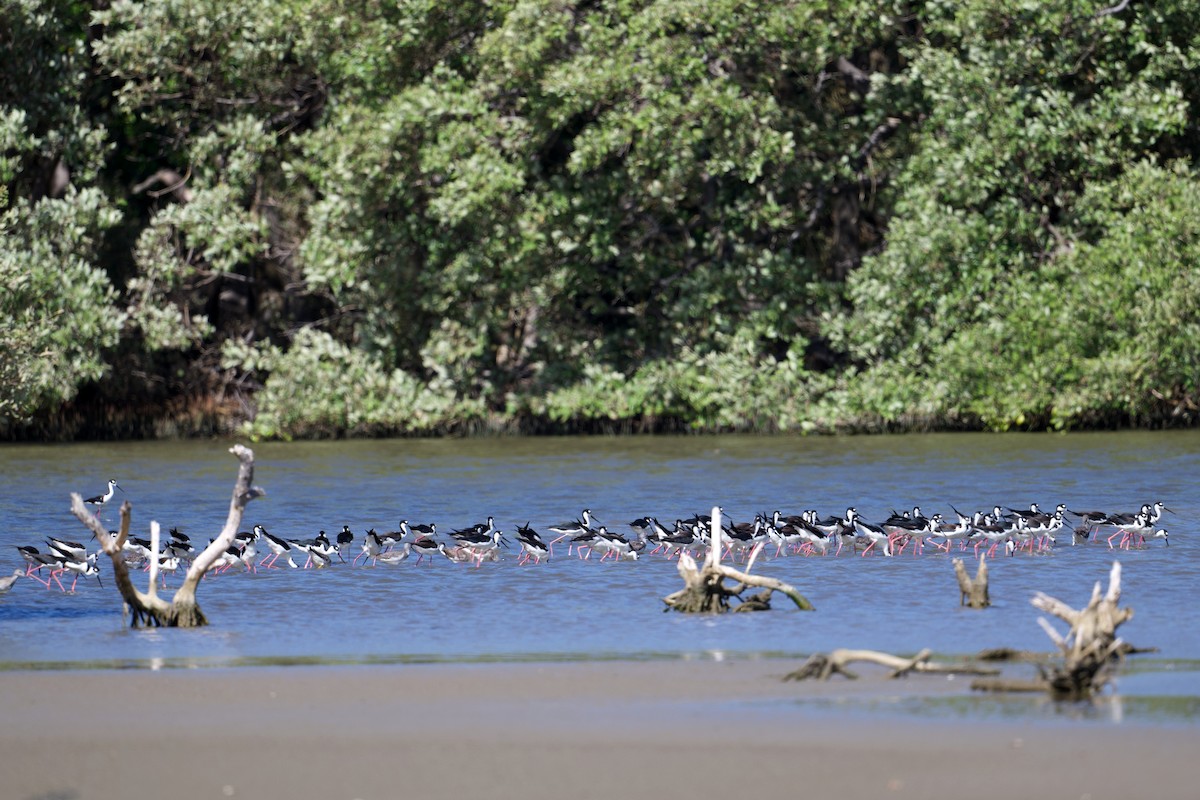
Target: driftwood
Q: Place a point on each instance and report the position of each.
(1090, 647)
(823, 666)
(974, 591)
(705, 590)
(182, 611)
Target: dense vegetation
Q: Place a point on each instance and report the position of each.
(363, 217)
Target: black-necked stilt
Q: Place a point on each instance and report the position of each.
(427, 546)
(167, 563)
(393, 538)
(683, 537)
(372, 547)
(344, 539)
(742, 535)
(948, 532)
(81, 568)
(573, 528)
(1131, 530)
(29, 553)
(277, 546)
(99, 500)
(417, 531)
(1156, 512)
(138, 548)
(73, 550)
(54, 561)
(226, 561)
(319, 549)
(989, 534)
(1032, 511)
(487, 549)
(179, 549)
(611, 543)
(582, 541)
(477, 532)
(245, 544)
(532, 546)
(1128, 517)
(642, 526)
(872, 533)
(324, 549)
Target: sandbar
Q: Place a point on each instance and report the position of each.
(657, 729)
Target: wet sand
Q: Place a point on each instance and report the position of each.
(531, 731)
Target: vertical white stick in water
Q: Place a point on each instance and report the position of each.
(714, 538)
(153, 559)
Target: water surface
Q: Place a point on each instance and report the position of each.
(572, 609)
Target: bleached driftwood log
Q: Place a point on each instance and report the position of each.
(974, 591)
(182, 611)
(1090, 648)
(822, 666)
(705, 591)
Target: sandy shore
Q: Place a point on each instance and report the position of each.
(595, 730)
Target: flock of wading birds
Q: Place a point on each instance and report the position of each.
(1030, 530)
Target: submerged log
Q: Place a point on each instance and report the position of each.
(704, 588)
(823, 666)
(974, 591)
(148, 608)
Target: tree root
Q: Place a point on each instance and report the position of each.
(822, 666)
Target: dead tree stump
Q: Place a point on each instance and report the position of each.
(1091, 646)
(148, 608)
(974, 591)
(705, 590)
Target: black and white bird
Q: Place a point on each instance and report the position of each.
(426, 546)
(99, 500)
(344, 538)
(575, 526)
(277, 546)
(372, 547)
(532, 546)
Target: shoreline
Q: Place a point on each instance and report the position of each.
(549, 730)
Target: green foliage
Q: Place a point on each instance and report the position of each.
(56, 315)
(43, 57)
(360, 218)
(597, 189)
(321, 388)
(989, 306)
(735, 388)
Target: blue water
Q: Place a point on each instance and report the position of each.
(567, 608)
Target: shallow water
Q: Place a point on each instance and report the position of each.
(572, 609)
